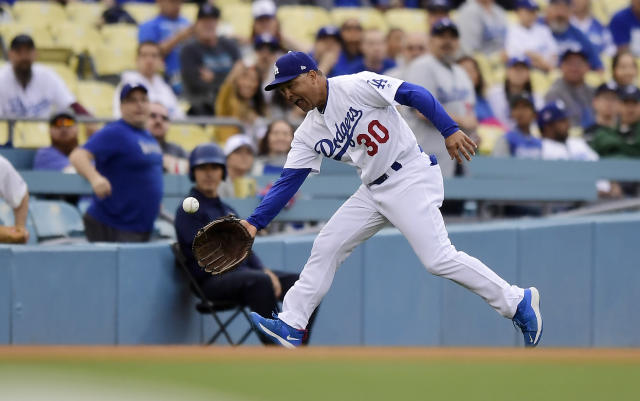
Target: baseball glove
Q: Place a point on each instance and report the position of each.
(222, 245)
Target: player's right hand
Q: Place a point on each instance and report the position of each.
(252, 230)
(101, 187)
(459, 142)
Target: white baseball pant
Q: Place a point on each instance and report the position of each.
(409, 199)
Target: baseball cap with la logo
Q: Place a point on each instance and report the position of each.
(289, 66)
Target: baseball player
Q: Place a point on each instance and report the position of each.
(353, 119)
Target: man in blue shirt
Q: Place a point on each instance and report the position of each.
(568, 36)
(625, 28)
(350, 56)
(251, 284)
(170, 30)
(127, 176)
(63, 131)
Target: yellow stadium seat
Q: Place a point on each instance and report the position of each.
(81, 38)
(302, 22)
(84, 13)
(613, 6)
(189, 11)
(236, 19)
(141, 12)
(540, 82)
(188, 136)
(67, 75)
(39, 13)
(488, 134)
(407, 19)
(97, 97)
(39, 32)
(369, 18)
(117, 51)
(31, 135)
(594, 79)
(4, 132)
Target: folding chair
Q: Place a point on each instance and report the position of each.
(208, 307)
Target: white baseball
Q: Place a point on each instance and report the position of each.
(190, 205)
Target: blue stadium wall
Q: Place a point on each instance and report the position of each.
(587, 270)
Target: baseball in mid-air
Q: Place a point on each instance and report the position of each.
(190, 205)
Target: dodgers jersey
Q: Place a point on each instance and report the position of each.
(359, 126)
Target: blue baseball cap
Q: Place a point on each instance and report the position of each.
(328, 31)
(289, 66)
(128, 88)
(524, 60)
(527, 4)
(574, 49)
(524, 97)
(443, 25)
(629, 93)
(552, 112)
(437, 5)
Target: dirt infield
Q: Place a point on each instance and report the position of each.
(201, 353)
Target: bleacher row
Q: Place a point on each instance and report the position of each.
(490, 181)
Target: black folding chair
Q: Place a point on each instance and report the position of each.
(209, 307)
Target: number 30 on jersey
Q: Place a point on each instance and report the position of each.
(378, 132)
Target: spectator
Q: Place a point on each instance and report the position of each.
(251, 284)
(114, 13)
(394, 40)
(624, 68)
(206, 61)
(572, 89)
(374, 53)
(63, 130)
(606, 107)
(174, 158)
(149, 64)
(241, 97)
(350, 56)
(598, 34)
(327, 48)
(414, 45)
(530, 38)
(240, 153)
(557, 145)
(624, 27)
(517, 81)
(567, 35)
(169, 29)
(437, 10)
(483, 27)
(273, 148)
(266, 22)
(266, 48)
(450, 84)
(127, 177)
(30, 89)
(519, 141)
(624, 142)
(482, 109)
(13, 190)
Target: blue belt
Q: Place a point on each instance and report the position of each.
(395, 167)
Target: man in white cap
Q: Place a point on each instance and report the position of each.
(240, 152)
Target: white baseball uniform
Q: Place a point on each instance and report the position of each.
(363, 104)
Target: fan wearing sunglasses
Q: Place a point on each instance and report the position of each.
(63, 130)
(174, 157)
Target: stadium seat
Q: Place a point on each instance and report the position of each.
(117, 51)
(6, 218)
(28, 134)
(39, 32)
(81, 38)
(540, 82)
(67, 75)
(141, 12)
(81, 13)
(189, 11)
(188, 136)
(368, 17)
(55, 219)
(594, 79)
(4, 132)
(38, 13)
(236, 20)
(97, 97)
(488, 134)
(407, 19)
(302, 22)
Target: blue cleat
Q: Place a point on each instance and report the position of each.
(278, 331)
(528, 317)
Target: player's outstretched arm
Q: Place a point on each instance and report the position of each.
(280, 193)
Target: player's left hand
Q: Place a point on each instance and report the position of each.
(459, 142)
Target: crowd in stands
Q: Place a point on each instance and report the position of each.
(549, 79)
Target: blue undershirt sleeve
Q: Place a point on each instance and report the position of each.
(284, 188)
(422, 100)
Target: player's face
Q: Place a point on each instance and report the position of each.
(135, 108)
(280, 138)
(158, 122)
(208, 178)
(300, 91)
